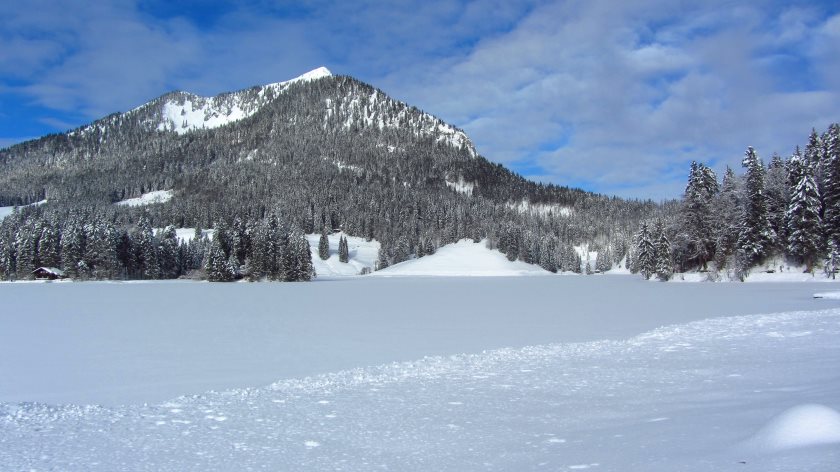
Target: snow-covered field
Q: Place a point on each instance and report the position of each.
(7, 210)
(361, 254)
(525, 373)
(462, 259)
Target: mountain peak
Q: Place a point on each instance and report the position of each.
(314, 74)
(188, 112)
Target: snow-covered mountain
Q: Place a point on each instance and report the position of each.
(317, 150)
(182, 112)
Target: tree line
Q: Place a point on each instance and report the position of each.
(787, 211)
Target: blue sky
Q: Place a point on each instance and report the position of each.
(614, 97)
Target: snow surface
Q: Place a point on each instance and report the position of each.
(148, 198)
(195, 112)
(675, 398)
(463, 259)
(8, 210)
(461, 186)
(130, 342)
(829, 295)
(362, 254)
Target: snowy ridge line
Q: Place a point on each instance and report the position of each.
(183, 112)
(671, 338)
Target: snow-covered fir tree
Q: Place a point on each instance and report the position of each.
(216, 266)
(645, 252)
(697, 237)
(756, 237)
(343, 250)
(777, 193)
(603, 261)
(324, 244)
(803, 216)
(727, 215)
(664, 261)
(831, 187)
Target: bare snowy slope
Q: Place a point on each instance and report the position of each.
(186, 112)
(463, 259)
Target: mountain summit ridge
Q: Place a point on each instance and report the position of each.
(184, 112)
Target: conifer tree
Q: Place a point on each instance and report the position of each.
(803, 217)
(664, 262)
(430, 247)
(401, 250)
(645, 252)
(778, 197)
(831, 187)
(168, 253)
(343, 250)
(603, 261)
(72, 247)
(755, 239)
(146, 250)
(216, 264)
(727, 216)
(697, 223)
(324, 244)
(305, 269)
(382, 259)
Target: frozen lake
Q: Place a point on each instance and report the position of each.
(559, 373)
(116, 343)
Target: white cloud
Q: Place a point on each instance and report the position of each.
(644, 89)
(619, 96)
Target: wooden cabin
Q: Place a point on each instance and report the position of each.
(48, 273)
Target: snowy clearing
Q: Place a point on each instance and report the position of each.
(692, 397)
(185, 235)
(148, 198)
(540, 209)
(463, 259)
(362, 254)
(461, 186)
(8, 210)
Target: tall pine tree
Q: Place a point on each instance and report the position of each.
(645, 252)
(697, 223)
(803, 216)
(756, 237)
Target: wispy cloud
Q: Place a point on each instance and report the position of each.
(614, 96)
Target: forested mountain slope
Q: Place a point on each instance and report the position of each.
(317, 151)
